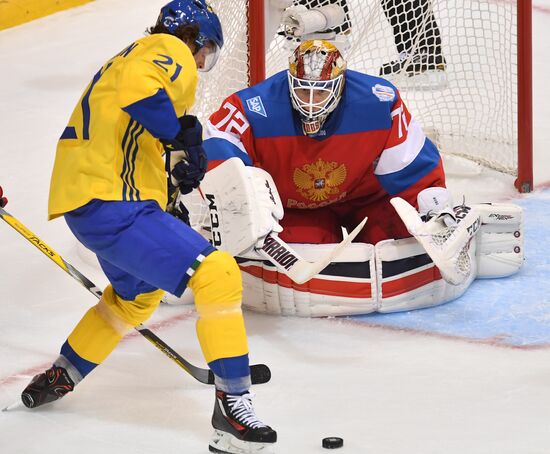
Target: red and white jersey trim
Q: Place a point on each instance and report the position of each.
(212, 132)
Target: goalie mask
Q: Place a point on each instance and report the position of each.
(316, 82)
(196, 12)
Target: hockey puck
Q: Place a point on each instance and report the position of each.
(333, 442)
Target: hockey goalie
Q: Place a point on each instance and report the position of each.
(313, 151)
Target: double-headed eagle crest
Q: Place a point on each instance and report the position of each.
(320, 180)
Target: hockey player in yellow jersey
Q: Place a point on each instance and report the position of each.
(128, 133)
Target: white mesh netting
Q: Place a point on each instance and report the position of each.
(474, 116)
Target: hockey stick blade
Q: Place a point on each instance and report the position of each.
(295, 267)
(259, 374)
(203, 375)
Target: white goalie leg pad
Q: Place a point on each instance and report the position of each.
(243, 203)
(408, 279)
(346, 287)
(499, 240)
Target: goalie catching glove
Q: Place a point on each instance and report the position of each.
(436, 204)
(186, 160)
(444, 232)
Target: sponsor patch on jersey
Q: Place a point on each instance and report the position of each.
(383, 93)
(256, 105)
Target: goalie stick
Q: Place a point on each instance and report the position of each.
(296, 268)
(260, 373)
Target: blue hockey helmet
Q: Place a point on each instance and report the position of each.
(194, 12)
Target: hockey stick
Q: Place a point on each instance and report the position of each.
(296, 268)
(260, 373)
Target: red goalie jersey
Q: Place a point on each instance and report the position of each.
(368, 150)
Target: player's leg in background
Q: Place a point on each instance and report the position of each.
(92, 340)
(346, 26)
(416, 36)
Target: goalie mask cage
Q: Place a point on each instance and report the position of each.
(483, 113)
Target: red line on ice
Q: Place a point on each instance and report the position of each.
(495, 341)
(158, 326)
(541, 9)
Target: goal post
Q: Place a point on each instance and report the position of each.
(256, 41)
(483, 111)
(524, 181)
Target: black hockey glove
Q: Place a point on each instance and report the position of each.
(186, 160)
(3, 200)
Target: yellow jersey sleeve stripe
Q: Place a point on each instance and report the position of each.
(130, 147)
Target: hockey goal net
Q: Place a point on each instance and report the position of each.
(483, 111)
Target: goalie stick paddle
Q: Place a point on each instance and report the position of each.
(260, 373)
(296, 268)
(444, 255)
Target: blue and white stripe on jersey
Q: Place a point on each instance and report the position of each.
(401, 166)
(220, 145)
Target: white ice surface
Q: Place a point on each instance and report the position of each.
(384, 391)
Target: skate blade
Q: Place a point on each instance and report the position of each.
(427, 81)
(13, 406)
(225, 443)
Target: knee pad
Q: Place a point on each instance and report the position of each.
(217, 284)
(122, 314)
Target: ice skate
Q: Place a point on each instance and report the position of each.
(47, 387)
(422, 71)
(237, 430)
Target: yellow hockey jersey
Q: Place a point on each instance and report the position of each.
(110, 149)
